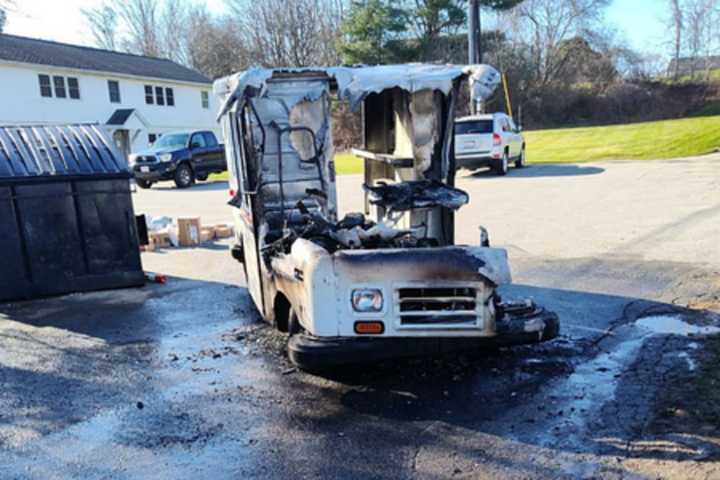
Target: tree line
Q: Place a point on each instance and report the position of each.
(564, 62)
(695, 31)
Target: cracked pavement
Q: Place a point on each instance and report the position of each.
(182, 381)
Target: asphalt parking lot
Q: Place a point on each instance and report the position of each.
(182, 381)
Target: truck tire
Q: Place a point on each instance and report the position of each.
(184, 176)
(144, 184)
(501, 166)
(520, 162)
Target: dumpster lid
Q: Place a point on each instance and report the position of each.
(57, 151)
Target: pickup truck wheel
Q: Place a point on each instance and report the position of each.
(144, 184)
(520, 162)
(184, 177)
(501, 166)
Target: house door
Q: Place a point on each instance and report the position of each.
(122, 141)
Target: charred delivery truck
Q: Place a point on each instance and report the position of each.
(387, 282)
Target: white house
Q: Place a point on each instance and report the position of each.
(136, 98)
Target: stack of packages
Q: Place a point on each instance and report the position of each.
(164, 232)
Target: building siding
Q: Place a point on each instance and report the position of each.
(21, 102)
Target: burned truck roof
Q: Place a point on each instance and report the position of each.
(284, 172)
(356, 82)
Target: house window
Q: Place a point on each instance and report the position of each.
(159, 96)
(73, 88)
(114, 91)
(45, 88)
(59, 83)
(205, 99)
(151, 138)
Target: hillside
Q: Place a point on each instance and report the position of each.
(638, 141)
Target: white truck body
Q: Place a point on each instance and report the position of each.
(389, 281)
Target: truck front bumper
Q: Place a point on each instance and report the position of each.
(155, 171)
(316, 353)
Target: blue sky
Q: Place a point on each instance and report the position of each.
(640, 21)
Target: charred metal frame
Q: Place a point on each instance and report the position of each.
(304, 266)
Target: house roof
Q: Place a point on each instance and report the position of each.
(120, 116)
(44, 52)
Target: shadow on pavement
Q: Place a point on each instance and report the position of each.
(536, 171)
(353, 423)
(207, 186)
(520, 393)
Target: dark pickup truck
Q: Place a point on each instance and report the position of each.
(180, 156)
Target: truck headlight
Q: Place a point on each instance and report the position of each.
(132, 160)
(165, 157)
(367, 300)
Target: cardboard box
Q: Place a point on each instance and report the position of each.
(160, 239)
(223, 231)
(207, 234)
(188, 231)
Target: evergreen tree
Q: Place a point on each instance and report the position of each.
(368, 29)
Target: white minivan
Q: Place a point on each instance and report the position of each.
(488, 140)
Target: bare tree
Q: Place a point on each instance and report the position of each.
(214, 45)
(103, 22)
(677, 24)
(173, 30)
(5, 5)
(140, 18)
(289, 32)
(544, 27)
(700, 21)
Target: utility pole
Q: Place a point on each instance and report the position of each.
(474, 46)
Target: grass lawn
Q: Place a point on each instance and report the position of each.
(635, 141)
(345, 163)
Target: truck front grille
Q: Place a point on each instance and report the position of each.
(437, 306)
(146, 159)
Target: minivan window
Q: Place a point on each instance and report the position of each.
(475, 126)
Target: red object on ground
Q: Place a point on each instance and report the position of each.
(155, 277)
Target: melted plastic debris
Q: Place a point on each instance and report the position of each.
(419, 194)
(674, 325)
(353, 231)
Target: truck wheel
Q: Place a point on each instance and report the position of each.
(520, 162)
(144, 184)
(501, 166)
(184, 177)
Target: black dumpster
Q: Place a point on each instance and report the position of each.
(66, 216)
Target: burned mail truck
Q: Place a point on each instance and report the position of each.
(386, 282)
